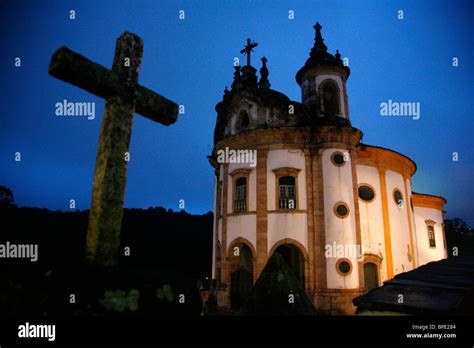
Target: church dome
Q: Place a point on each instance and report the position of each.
(245, 108)
(252, 104)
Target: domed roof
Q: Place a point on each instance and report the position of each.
(251, 103)
(319, 56)
(275, 102)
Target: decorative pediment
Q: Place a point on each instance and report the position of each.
(284, 171)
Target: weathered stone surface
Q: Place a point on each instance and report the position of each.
(79, 71)
(124, 96)
(105, 217)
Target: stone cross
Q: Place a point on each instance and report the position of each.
(124, 96)
(249, 48)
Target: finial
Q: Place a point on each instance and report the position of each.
(318, 40)
(338, 55)
(236, 82)
(264, 83)
(226, 91)
(248, 48)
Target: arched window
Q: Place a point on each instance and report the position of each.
(329, 94)
(242, 121)
(240, 201)
(287, 192)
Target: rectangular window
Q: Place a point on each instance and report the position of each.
(431, 236)
(287, 199)
(240, 201)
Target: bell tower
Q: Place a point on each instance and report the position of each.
(323, 83)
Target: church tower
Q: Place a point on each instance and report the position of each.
(293, 178)
(323, 82)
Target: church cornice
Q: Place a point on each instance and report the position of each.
(428, 201)
(385, 159)
(306, 139)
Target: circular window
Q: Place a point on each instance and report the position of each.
(338, 159)
(366, 193)
(341, 210)
(344, 267)
(398, 197)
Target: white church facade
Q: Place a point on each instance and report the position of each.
(341, 213)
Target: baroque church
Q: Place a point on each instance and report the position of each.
(341, 213)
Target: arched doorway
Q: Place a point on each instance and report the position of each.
(371, 276)
(295, 259)
(241, 274)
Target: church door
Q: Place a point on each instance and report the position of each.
(294, 258)
(371, 276)
(241, 279)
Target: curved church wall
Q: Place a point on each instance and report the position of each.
(251, 189)
(242, 225)
(287, 224)
(412, 221)
(338, 187)
(423, 217)
(371, 217)
(280, 159)
(399, 228)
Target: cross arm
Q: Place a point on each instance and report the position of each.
(76, 69)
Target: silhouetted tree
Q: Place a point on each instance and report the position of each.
(460, 236)
(6, 196)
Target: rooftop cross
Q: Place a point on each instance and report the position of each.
(249, 48)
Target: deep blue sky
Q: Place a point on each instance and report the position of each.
(191, 61)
